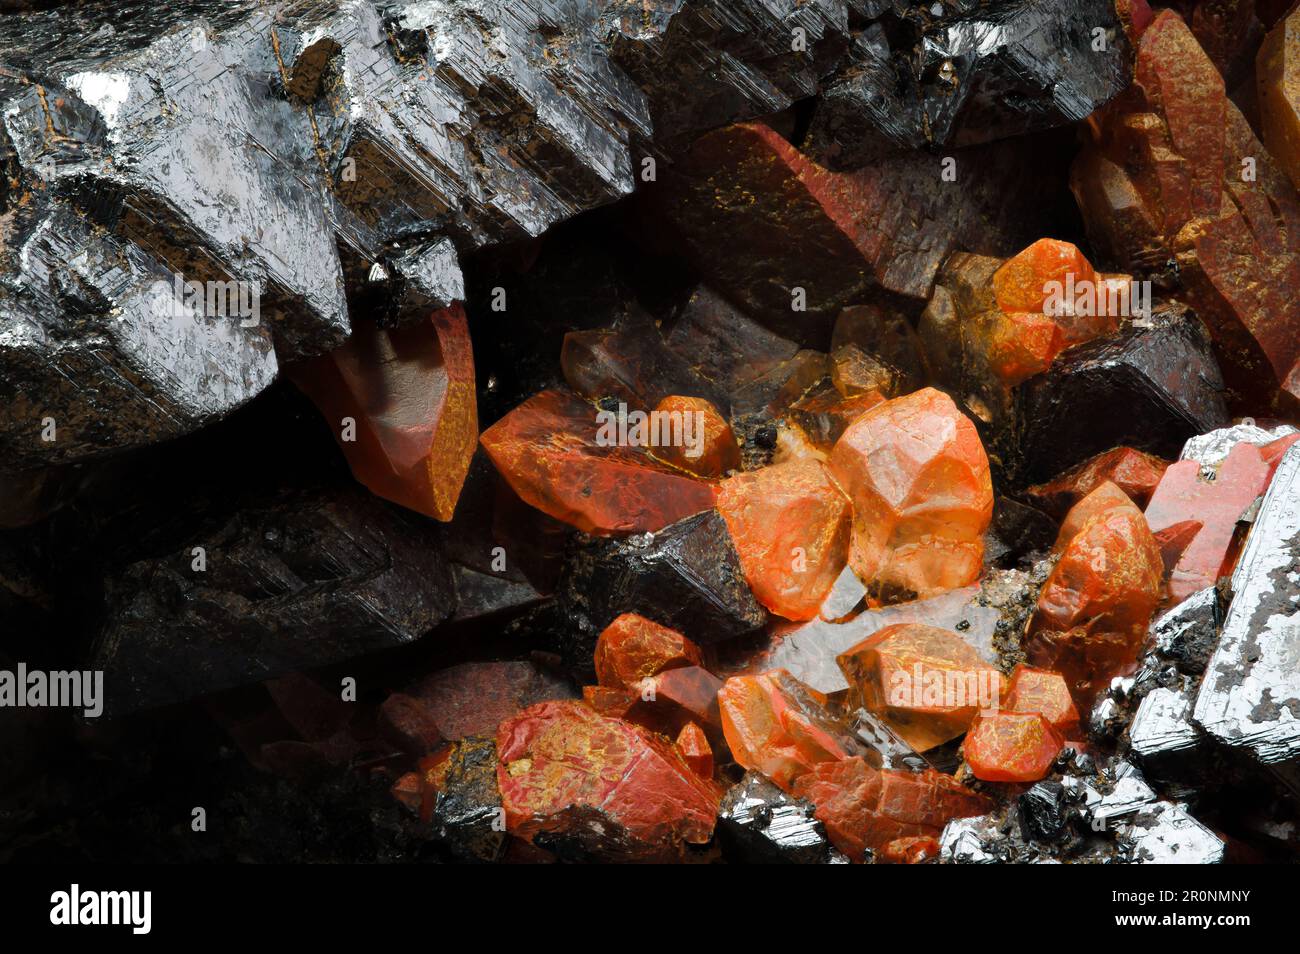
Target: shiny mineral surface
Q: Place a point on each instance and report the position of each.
(797, 431)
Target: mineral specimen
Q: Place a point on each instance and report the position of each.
(564, 767)
(776, 725)
(1166, 834)
(632, 648)
(790, 525)
(1187, 633)
(1011, 746)
(926, 682)
(760, 824)
(1130, 470)
(1036, 690)
(467, 812)
(401, 404)
(562, 459)
(922, 496)
(1248, 698)
(1279, 94)
(473, 698)
(708, 446)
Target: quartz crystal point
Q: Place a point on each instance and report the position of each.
(694, 747)
(922, 495)
(776, 725)
(926, 682)
(560, 756)
(409, 396)
(560, 458)
(633, 648)
(760, 824)
(1248, 698)
(1093, 611)
(1177, 183)
(790, 525)
(1218, 504)
(1011, 747)
(298, 581)
(863, 808)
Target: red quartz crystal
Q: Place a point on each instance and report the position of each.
(562, 755)
(776, 725)
(1011, 747)
(410, 397)
(555, 455)
(1132, 471)
(790, 525)
(1218, 504)
(922, 495)
(694, 746)
(1037, 690)
(667, 702)
(863, 807)
(926, 682)
(633, 648)
(1093, 611)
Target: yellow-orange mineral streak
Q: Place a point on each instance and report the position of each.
(922, 496)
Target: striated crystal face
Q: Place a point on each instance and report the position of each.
(928, 683)
(778, 726)
(1094, 608)
(560, 458)
(559, 756)
(1011, 747)
(922, 496)
(790, 525)
(401, 403)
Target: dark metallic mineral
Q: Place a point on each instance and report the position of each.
(1044, 812)
(686, 577)
(760, 824)
(1150, 386)
(1165, 834)
(1249, 699)
(1187, 634)
(298, 581)
(959, 74)
(467, 814)
(1163, 739)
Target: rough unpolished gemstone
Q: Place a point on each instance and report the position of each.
(401, 403)
(1277, 72)
(776, 725)
(819, 419)
(863, 808)
(790, 525)
(1176, 184)
(887, 335)
(1218, 504)
(914, 850)
(758, 823)
(694, 746)
(559, 756)
(1023, 283)
(473, 698)
(927, 683)
(633, 648)
(707, 447)
(1150, 386)
(558, 457)
(1093, 611)
(1011, 747)
(1102, 498)
(1131, 470)
(666, 703)
(922, 495)
(854, 372)
(1044, 692)
(761, 221)
(608, 701)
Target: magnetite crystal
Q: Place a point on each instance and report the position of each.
(401, 404)
(790, 525)
(922, 496)
(560, 459)
(926, 682)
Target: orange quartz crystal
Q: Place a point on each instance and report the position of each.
(1044, 692)
(926, 682)
(559, 457)
(694, 747)
(918, 478)
(708, 447)
(402, 405)
(1011, 747)
(1134, 472)
(790, 525)
(633, 648)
